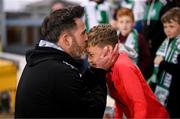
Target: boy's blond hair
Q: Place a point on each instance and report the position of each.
(172, 14)
(124, 12)
(102, 35)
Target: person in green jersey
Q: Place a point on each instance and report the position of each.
(96, 12)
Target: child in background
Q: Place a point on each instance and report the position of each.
(126, 84)
(168, 51)
(132, 39)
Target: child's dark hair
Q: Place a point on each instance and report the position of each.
(172, 14)
(102, 35)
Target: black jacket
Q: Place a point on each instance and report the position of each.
(51, 85)
(173, 105)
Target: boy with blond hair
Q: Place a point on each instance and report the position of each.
(126, 84)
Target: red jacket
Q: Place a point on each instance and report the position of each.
(132, 95)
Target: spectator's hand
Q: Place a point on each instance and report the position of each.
(158, 60)
(107, 58)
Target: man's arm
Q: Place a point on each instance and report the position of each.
(83, 100)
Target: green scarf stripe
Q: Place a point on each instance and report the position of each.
(132, 42)
(154, 12)
(169, 58)
(173, 46)
(103, 14)
(87, 22)
(135, 35)
(104, 17)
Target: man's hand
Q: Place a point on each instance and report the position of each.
(107, 58)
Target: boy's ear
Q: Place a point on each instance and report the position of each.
(109, 49)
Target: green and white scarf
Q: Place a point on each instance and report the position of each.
(169, 51)
(103, 12)
(132, 43)
(96, 13)
(90, 14)
(153, 9)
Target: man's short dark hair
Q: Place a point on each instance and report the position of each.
(60, 21)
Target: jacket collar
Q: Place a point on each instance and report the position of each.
(45, 43)
(41, 54)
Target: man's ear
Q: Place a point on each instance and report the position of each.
(66, 40)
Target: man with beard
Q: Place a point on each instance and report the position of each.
(51, 85)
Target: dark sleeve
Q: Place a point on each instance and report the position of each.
(169, 67)
(97, 91)
(84, 100)
(94, 76)
(145, 60)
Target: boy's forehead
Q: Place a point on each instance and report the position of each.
(124, 18)
(89, 48)
(171, 21)
(93, 48)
